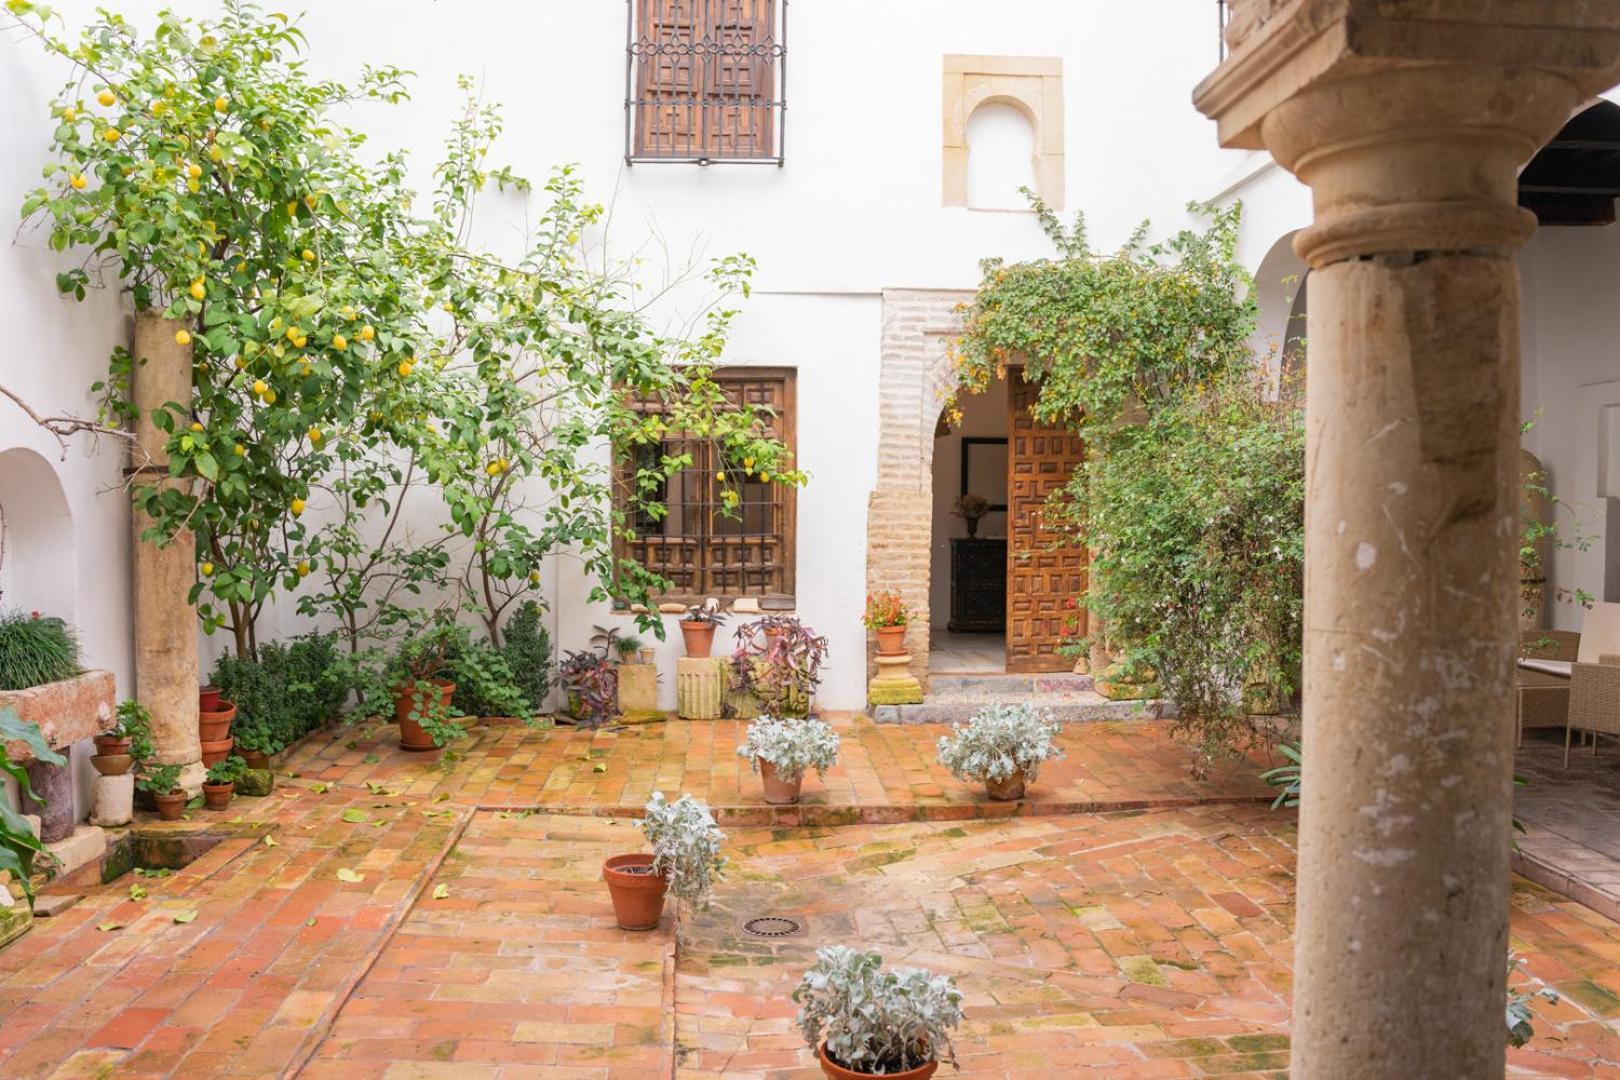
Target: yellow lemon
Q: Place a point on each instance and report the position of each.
(534, 577)
(315, 434)
(269, 397)
(292, 333)
(239, 450)
(448, 306)
(306, 369)
(194, 171)
(195, 426)
(220, 104)
(159, 108)
(213, 153)
(307, 255)
(309, 201)
(292, 208)
(720, 476)
(207, 569)
(300, 341)
(111, 134)
(260, 388)
(367, 333)
(69, 114)
(347, 311)
(182, 337)
(106, 98)
(405, 368)
(339, 342)
(296, 506)
(303, 569)
(194, 186)
(240, 362)
(78, 181)
(764, 477)
(493, 468)
(199, 291)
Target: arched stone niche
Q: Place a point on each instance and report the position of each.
(1031, 84)
(38, 553)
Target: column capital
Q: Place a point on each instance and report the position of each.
(1409, 121)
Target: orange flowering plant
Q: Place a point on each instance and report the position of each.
(885, 608)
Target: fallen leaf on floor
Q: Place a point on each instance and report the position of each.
(109, 926)
(320, 787)
(442, 796)
(185, 916)
(310, 921)
(599, 767)
(270, 841)
(137, 891)
(370, 759)
(356, 817)
(441, 891)
(351, 745)
(345, 874)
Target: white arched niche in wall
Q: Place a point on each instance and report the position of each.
(38, 555)
(1001, 156)
(1280, 285)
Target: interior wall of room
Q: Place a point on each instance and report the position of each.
(983, 415)
(1569, 385)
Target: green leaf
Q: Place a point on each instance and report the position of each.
(137, 891)
(270, 841)
(185, 916)
(345, 874)
(109, 926)
(207, 467)
(356, 816)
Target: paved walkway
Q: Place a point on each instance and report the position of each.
(369, 919)
(1571, 817)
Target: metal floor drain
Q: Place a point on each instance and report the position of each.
(773, 926)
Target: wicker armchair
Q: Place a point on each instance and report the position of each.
(1594, 700)
(1543, 698)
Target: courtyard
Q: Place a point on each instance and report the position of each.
(1124, 918)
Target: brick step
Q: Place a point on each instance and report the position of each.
(1080, 707)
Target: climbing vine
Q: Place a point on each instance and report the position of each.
(1192, 494)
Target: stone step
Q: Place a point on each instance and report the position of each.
(1081, 707)
(973, 687)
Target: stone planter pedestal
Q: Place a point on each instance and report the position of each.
(66, 712)
(894, 684)
(700, 687)
(638, 689)
(112, 800)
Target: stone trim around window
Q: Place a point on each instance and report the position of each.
(1031, 84)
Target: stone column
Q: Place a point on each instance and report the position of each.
(166, 663)
(1410, 132)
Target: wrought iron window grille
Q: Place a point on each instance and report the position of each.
(704, 81)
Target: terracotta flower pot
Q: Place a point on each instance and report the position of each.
(214, 726)
(1006, 790)
(218, 796)
(699, 638)
(208, 699)
(838, 1072)
(112, 764)
(412, 737)
(256, 759)
(638, 896)
(778, 792)
(170, 806)
(112, 744)
(891, 640)
(216, 750)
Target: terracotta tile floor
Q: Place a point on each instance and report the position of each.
(1129, 942)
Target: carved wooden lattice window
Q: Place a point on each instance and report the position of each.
(704, 80)
(706, 552)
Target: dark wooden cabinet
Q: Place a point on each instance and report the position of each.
(978, 585)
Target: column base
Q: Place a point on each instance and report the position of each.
(894, 685)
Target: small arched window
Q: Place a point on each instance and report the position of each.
(1001, 157)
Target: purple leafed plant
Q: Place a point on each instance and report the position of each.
(778, 661)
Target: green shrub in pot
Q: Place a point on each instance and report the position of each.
(876, 1020)
(1001, 745)
(792, 746)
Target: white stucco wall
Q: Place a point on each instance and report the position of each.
(855, 209)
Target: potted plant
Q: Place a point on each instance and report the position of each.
(970, 508)
(781, 677)
(208, 698)
(1004, 746)
(417, 680)
(253, 746)
(863, 1019)
(697, 628)
(626, 648)
(886, 616)
(221, 782)
(592, 686)
(128, 742)
(783, 750)
(685, 860)
(162, 782)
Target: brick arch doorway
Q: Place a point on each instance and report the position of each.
(915, 376)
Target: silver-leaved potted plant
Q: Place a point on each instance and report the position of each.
(783, 749)
(1002, 746)
(863, 1019)
(685, 860)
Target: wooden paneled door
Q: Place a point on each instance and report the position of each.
(1043, 571)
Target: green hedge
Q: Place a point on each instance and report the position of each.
(293, 688)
